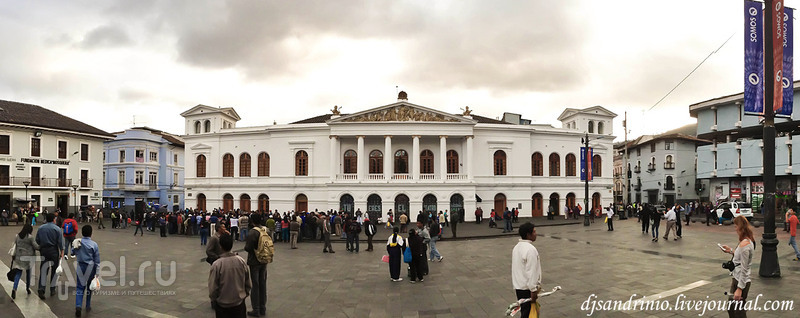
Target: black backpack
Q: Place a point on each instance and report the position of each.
(355, 227)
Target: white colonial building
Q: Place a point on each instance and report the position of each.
(400, 156)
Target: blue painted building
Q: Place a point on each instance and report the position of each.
(732, 164)
(143, 164)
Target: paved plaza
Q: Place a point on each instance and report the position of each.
(472, 281)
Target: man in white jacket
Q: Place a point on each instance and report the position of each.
(526, 269)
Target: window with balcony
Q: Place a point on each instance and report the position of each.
(5, 145)
(227, 165)
(376, 161)
(85, 178)
(499, 163)
(301, 163)
(138, 177)
(36, 147)
(570, 162)
(401, 161)
(152, 179)
(121, 178)
(244, 165)
(452, 161)
(668, 162)
(201, 166)
(652, 165)
(62, 178)
(669, 184)
(350, 162)
(426, 161)
(555, 165)
(84, 152)
(537, 165)
(36, 176)
(5, 175)
(62, 149)
(263, 164)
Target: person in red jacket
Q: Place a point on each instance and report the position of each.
(70, 229)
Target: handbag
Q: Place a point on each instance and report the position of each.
(385, 258)
(407, 255)
(12, 273)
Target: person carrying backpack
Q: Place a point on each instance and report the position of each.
(260, 251)
(370, 230)
(70, 229)
(353, 230)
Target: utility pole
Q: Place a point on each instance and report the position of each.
(625, 200)
(586, 180)
(769, 242)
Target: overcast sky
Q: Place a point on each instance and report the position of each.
(104, 62)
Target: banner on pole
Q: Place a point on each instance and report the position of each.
(753, 58)
(586, 163)
(788, 64)
(777, 54)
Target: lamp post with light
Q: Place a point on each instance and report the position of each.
(75, 198)
(585, 173)
(26, 183)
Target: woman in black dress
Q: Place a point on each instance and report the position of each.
(395, 246)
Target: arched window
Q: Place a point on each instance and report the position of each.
(227, 165)
(244, 165)
(346, 204)
(429, 203)
(208, 126)
(499, 163)
(201, 202)
(301, 164)
(301, 203)
(376, 161)
(555, 165)
(263, 203)
(596, 204)
(201, 166)
(227, 202)
(600, 127)
(350, 163)
(263, 164)
(591, 127)
(401, 161)
(571, 166)
(452, 161)
(669, 158)
(537, 165)
(426, 161)
(597, 166)
(244, 202)
(197, 126)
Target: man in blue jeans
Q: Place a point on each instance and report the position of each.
(51, 247)
(88, 254)
(507, 218)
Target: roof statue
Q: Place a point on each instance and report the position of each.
(467, 111)
(336, 110)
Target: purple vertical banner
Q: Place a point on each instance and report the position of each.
(753, 58)
(788, 58)
(586, 164)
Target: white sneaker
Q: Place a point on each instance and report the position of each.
(441, 258)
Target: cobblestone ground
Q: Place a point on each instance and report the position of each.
(472, 281)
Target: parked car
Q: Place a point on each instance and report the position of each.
(737, 208)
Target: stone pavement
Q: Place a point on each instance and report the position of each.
(472, 281)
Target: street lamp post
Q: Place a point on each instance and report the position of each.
(26, 184)
(585, 173)
(769, 253)
(75, 197)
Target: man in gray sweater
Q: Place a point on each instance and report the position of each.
(229, 282)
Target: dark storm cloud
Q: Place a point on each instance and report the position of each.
(105, 36)
(498, 45)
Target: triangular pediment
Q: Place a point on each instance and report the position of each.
(205, 109)
(401, 112)
(594, 110)
(201, 146)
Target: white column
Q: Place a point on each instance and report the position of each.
(443, 157)
(360, 163)
(415, 158)
(388, 170)
(468, 160)
(334, 151)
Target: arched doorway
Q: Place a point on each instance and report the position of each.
(500, 203)
(536, 205)
(244, 202)
(301, 202)
(201, 202)
(263, 203)
(570, 199)
(227, 202)
(346, 204)
(457, 204)
(596, 204)
(429, 204)
(401, 205)
(374, 207)
(554, 201)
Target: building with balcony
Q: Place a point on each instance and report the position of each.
(732, 163)
(663, 167)
(146, 165)
(48, 160)
(401, 156)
